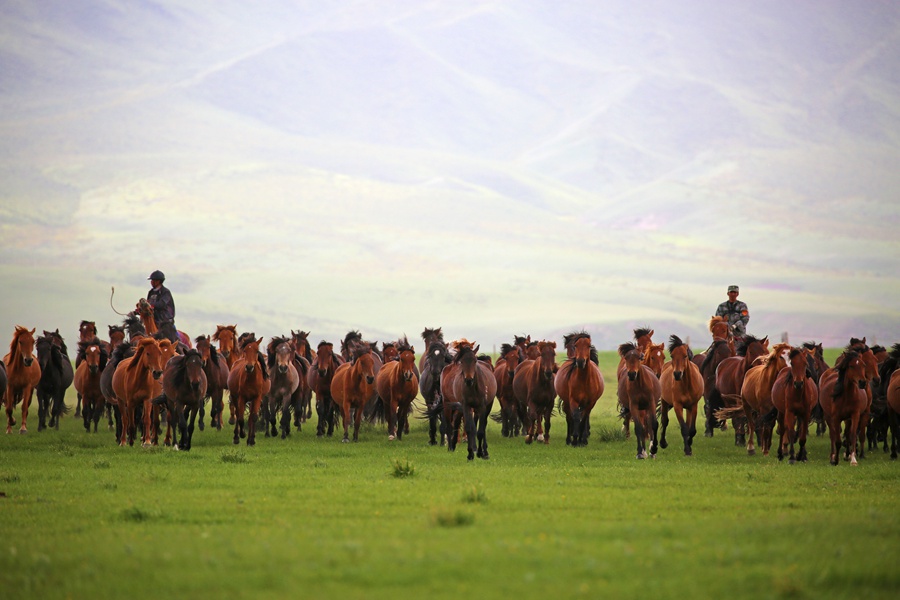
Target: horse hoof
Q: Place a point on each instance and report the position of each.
(345, 441)
(527, 439)
(540, 437)
(708, 434)
(485, 455)
(231, 421)
(391, 437)
(640, 456)
(751, 451)
(236, 441)
(23, 431)
(663, 444)
(202, 426)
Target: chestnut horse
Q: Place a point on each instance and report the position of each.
(216, 369)
(639, 390)
(579, 384)
(319, 378)
(398, 385)
(22, 376)
(304, 357)
(533, 386)
(248, 382)
(842, 394)
(353, 387)
(682, 387)
(135, 384)
(730, 378)
(91, 358)
(437, 359)
(504, 370)
(226, 337)
(756, 398)
(893, 403)
(794, 394)
(184, 385)
(469, 388)
(144, 310)
(87, 331)
(284, 380)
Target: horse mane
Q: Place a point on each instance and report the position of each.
(359, 350)
(82, 351)
(713, 321)
(794, 352)
(626, 348)
(641, 332)
(91, 323)
(133, 325)
(877, 348)
(115, 329)
(219, 328)
(179, 366)
(122, 351)
(433, 335)
(522, 339)
(463, 347)
(402, 344)
(504, 348)
(711, 352)
(139, 352)
(461, 343)
(674, 342)
(857, 342)
(742, 347)
(14, 344)
(324, 343)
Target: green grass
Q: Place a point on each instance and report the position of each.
(308, 517)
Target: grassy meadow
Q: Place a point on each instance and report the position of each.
(315, 518)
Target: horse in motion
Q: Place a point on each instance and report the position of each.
(56, 377)
(319, 378)
(304, 356)
(842, 394)
(23, 373)
(134, 385)
(248, 383)
(437, 357)
(639, 390)
(91, 358)
(398, 385)
(184, 387)
(682, 387)
(284, 381)
(756, 398)
(216, 369)
(794, 394)
(726, 392)
(87, 331)
(533, 386)
(469, 388)
(353, 386)
(579, 384)
(892, 395)
(504, 371)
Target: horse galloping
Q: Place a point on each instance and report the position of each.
(469, 388)
(756, 398)
(729, 378)
(579, 385)
(91, 358)
(533, 386)
(794, 394)
(842, 394)
(639, 392)
(504, 371)
(437, 358)
(398, 385)
(682, 387)
(134, 384)
(23, 373)
(248, 383)
(56, 377)
(353, 387)
(184, 386)
(284, 381)
(319, 378)
(216, 369)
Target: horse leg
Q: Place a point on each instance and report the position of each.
(286, 417)
(238, 422)
(190, 429)
(10, 421)
(748, 412)
(654, 432)
(639, 433)
(43, 402)
(345, 417)
(894, 424)
(78, 405)
(682, 425)
(851, 442)
(253, 420)
(469, 423)
(548, 412)
(26, 404)
(402, 420)
(87, 415)
(692, 428)
(390, 407)
(664, 418)
(202, 411)
(357, 420)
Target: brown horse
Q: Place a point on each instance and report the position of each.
(284, 380)
(893, 403)
(639, 390)
(429, 336)
(144, 310)
(504, 370)
(92, 358)
(248, 382)
(794, 395)
(730, 378)
(304, 356)
(226, 337)
(216, 369)
(353, 387)
(87, 331)
(184, 385)
(469, 390)
(873, 380)
(535, 392)
(23, 373)
(682, 387)
(756, 398)
(842, 394)
(319, 378)
(56, 377)
(579, 384)
(135, 383)
(398, 385)
(717, 352)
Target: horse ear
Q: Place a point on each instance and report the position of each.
(412, 349)
(651, 333)
(475, 350)
(553, 344)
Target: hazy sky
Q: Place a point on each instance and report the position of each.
(495, 168)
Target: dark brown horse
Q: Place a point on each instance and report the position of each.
(184, 387)
(227, 338)
(319, 378)
(730, 377)
(842, 394)
(893, 404)
(135, 384)
(639, 390)
(22, 376)
(429, 336)
(756, 398)
(533, 386)
(248, 383)
(682, 387)
(284, 380)
(56, 377)
(510, 417)
(216, 368)
(353, 387)
(469, 390)
(398, 385)
(92, 358)
(437, 359)
(794, 394)
(304, 356)
(579, 384)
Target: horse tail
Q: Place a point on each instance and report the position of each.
(767, 420)
(375, 409)
(497, 417)
(735, 399)
(731, 412)
(624, 411)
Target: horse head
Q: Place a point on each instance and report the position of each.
(548, 358)
(850, 369)
(226, 336)
(654, 357)
(510, 354)
(325, 357)
(389, 351)
(149, 356)
(203, 345)
(406, 354)
(283, 355)
(87, 331)
(363, 362)
(678, 352)
(22, 345)
(799, 365)
(192, 363)
(632, 356)
(250, 352)
(93, 354)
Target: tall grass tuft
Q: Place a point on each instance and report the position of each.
(475, 495)
(234, 455)
(403, 468)
(136, 514)
(608, 433)
(452, 517)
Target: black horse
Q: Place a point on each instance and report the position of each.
(123, 350)
(56, 377)
(436, 358)
(184, 386)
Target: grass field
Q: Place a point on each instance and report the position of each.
(307, 517)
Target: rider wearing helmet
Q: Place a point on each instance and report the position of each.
(160, 298)
(736, 312)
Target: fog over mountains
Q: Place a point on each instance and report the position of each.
(495, 168)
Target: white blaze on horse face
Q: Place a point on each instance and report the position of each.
(437, 352)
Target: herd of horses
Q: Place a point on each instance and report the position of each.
(137, 377)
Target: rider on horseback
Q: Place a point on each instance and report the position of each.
(160, 298)
(736, 312)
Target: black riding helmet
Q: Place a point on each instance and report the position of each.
(157, 275)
